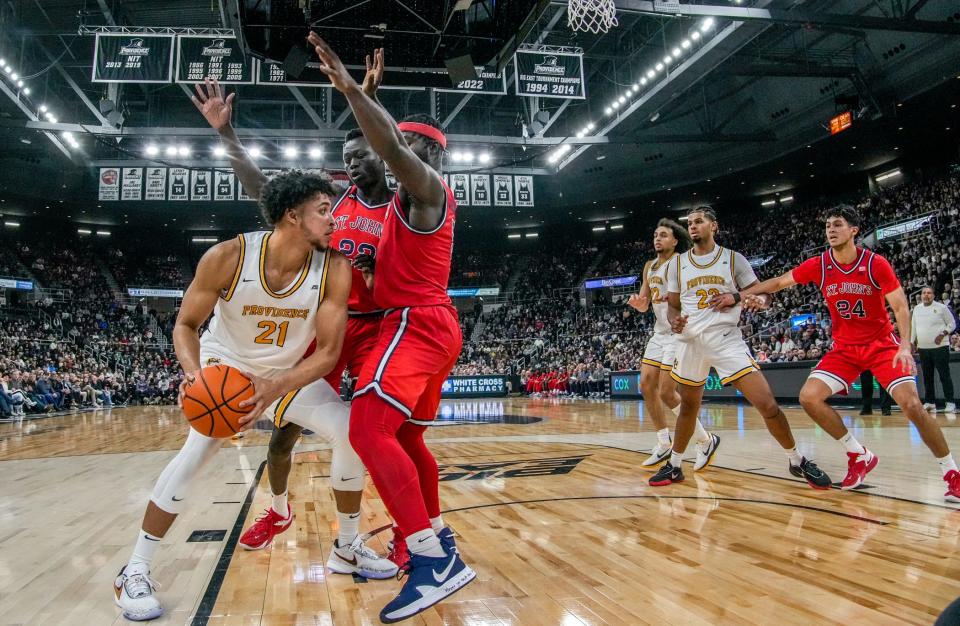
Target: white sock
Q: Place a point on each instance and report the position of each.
(793, 456)
(851, 444)
(425, 543)
(700, 433)
(280, 504)
(142, 553)
(663, 437)
(947, 464)
(676, 459)
(349, 528)
(436, 523)
(675, 410)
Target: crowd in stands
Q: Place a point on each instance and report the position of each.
(548, 339)
(87, 349)
(136, 270)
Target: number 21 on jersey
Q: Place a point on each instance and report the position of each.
(273, 333)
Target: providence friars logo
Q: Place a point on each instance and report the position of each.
(217, 49)
(135, 48)
(549, 66)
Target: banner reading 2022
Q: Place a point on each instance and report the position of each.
(549, 74)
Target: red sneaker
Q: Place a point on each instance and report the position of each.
(953, 486)
(398, 549)
(267, 526)
(857, 469)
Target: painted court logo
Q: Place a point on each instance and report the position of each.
(510, 469)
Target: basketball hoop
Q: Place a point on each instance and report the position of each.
(591, 16)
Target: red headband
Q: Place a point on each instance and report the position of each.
(426, 130)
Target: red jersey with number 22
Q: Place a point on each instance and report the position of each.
(358, 230)
(855, 294)
(413, 266)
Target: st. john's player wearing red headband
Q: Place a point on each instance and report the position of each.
(398, 391)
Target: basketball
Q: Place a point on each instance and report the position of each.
(212, 402)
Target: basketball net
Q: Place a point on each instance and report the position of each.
(592, 16)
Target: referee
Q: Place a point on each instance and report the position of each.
(932, 323)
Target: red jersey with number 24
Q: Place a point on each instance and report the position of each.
(855, 294)
(358, 230)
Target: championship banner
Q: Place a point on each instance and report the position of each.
(549, 74)
(502, 190)
(179, 179)
(480, 189)
(133, 58)
(199, 185)
(132, 188)
(223, 185)
(523, 186)
(488, 80)
(109, 183)
(272, 73)
(460, 184)
(156, 184)
(200, 56)
(242, 193)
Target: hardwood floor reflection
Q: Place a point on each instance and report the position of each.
(553, 513)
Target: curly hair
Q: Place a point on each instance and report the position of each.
(845, 211)
(352, 134)
(680, 233)
(291, 189)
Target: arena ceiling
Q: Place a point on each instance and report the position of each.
(761, 84)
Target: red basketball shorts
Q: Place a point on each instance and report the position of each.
(844, 364)
(416, 350)
(359, 340)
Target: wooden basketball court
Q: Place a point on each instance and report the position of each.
(549, 505)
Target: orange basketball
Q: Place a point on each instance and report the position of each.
(212, 402)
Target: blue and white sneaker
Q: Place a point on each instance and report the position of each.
(447, 541)
(429, 581)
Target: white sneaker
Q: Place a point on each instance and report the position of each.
(950, 408)
(658, 456)
(930, 407)
(705, 452)
(357, 558)
(134, 595)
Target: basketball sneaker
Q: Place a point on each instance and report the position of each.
(705, 452)
(358, 559)
(808, 470)
(951, 407)
(398, 549)
(857, 469)
(429, 581)
(267, 526)
(953, 486)
(667, 475)
(930, 406)
(447, 541)
(659, 454)
(135, 597)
